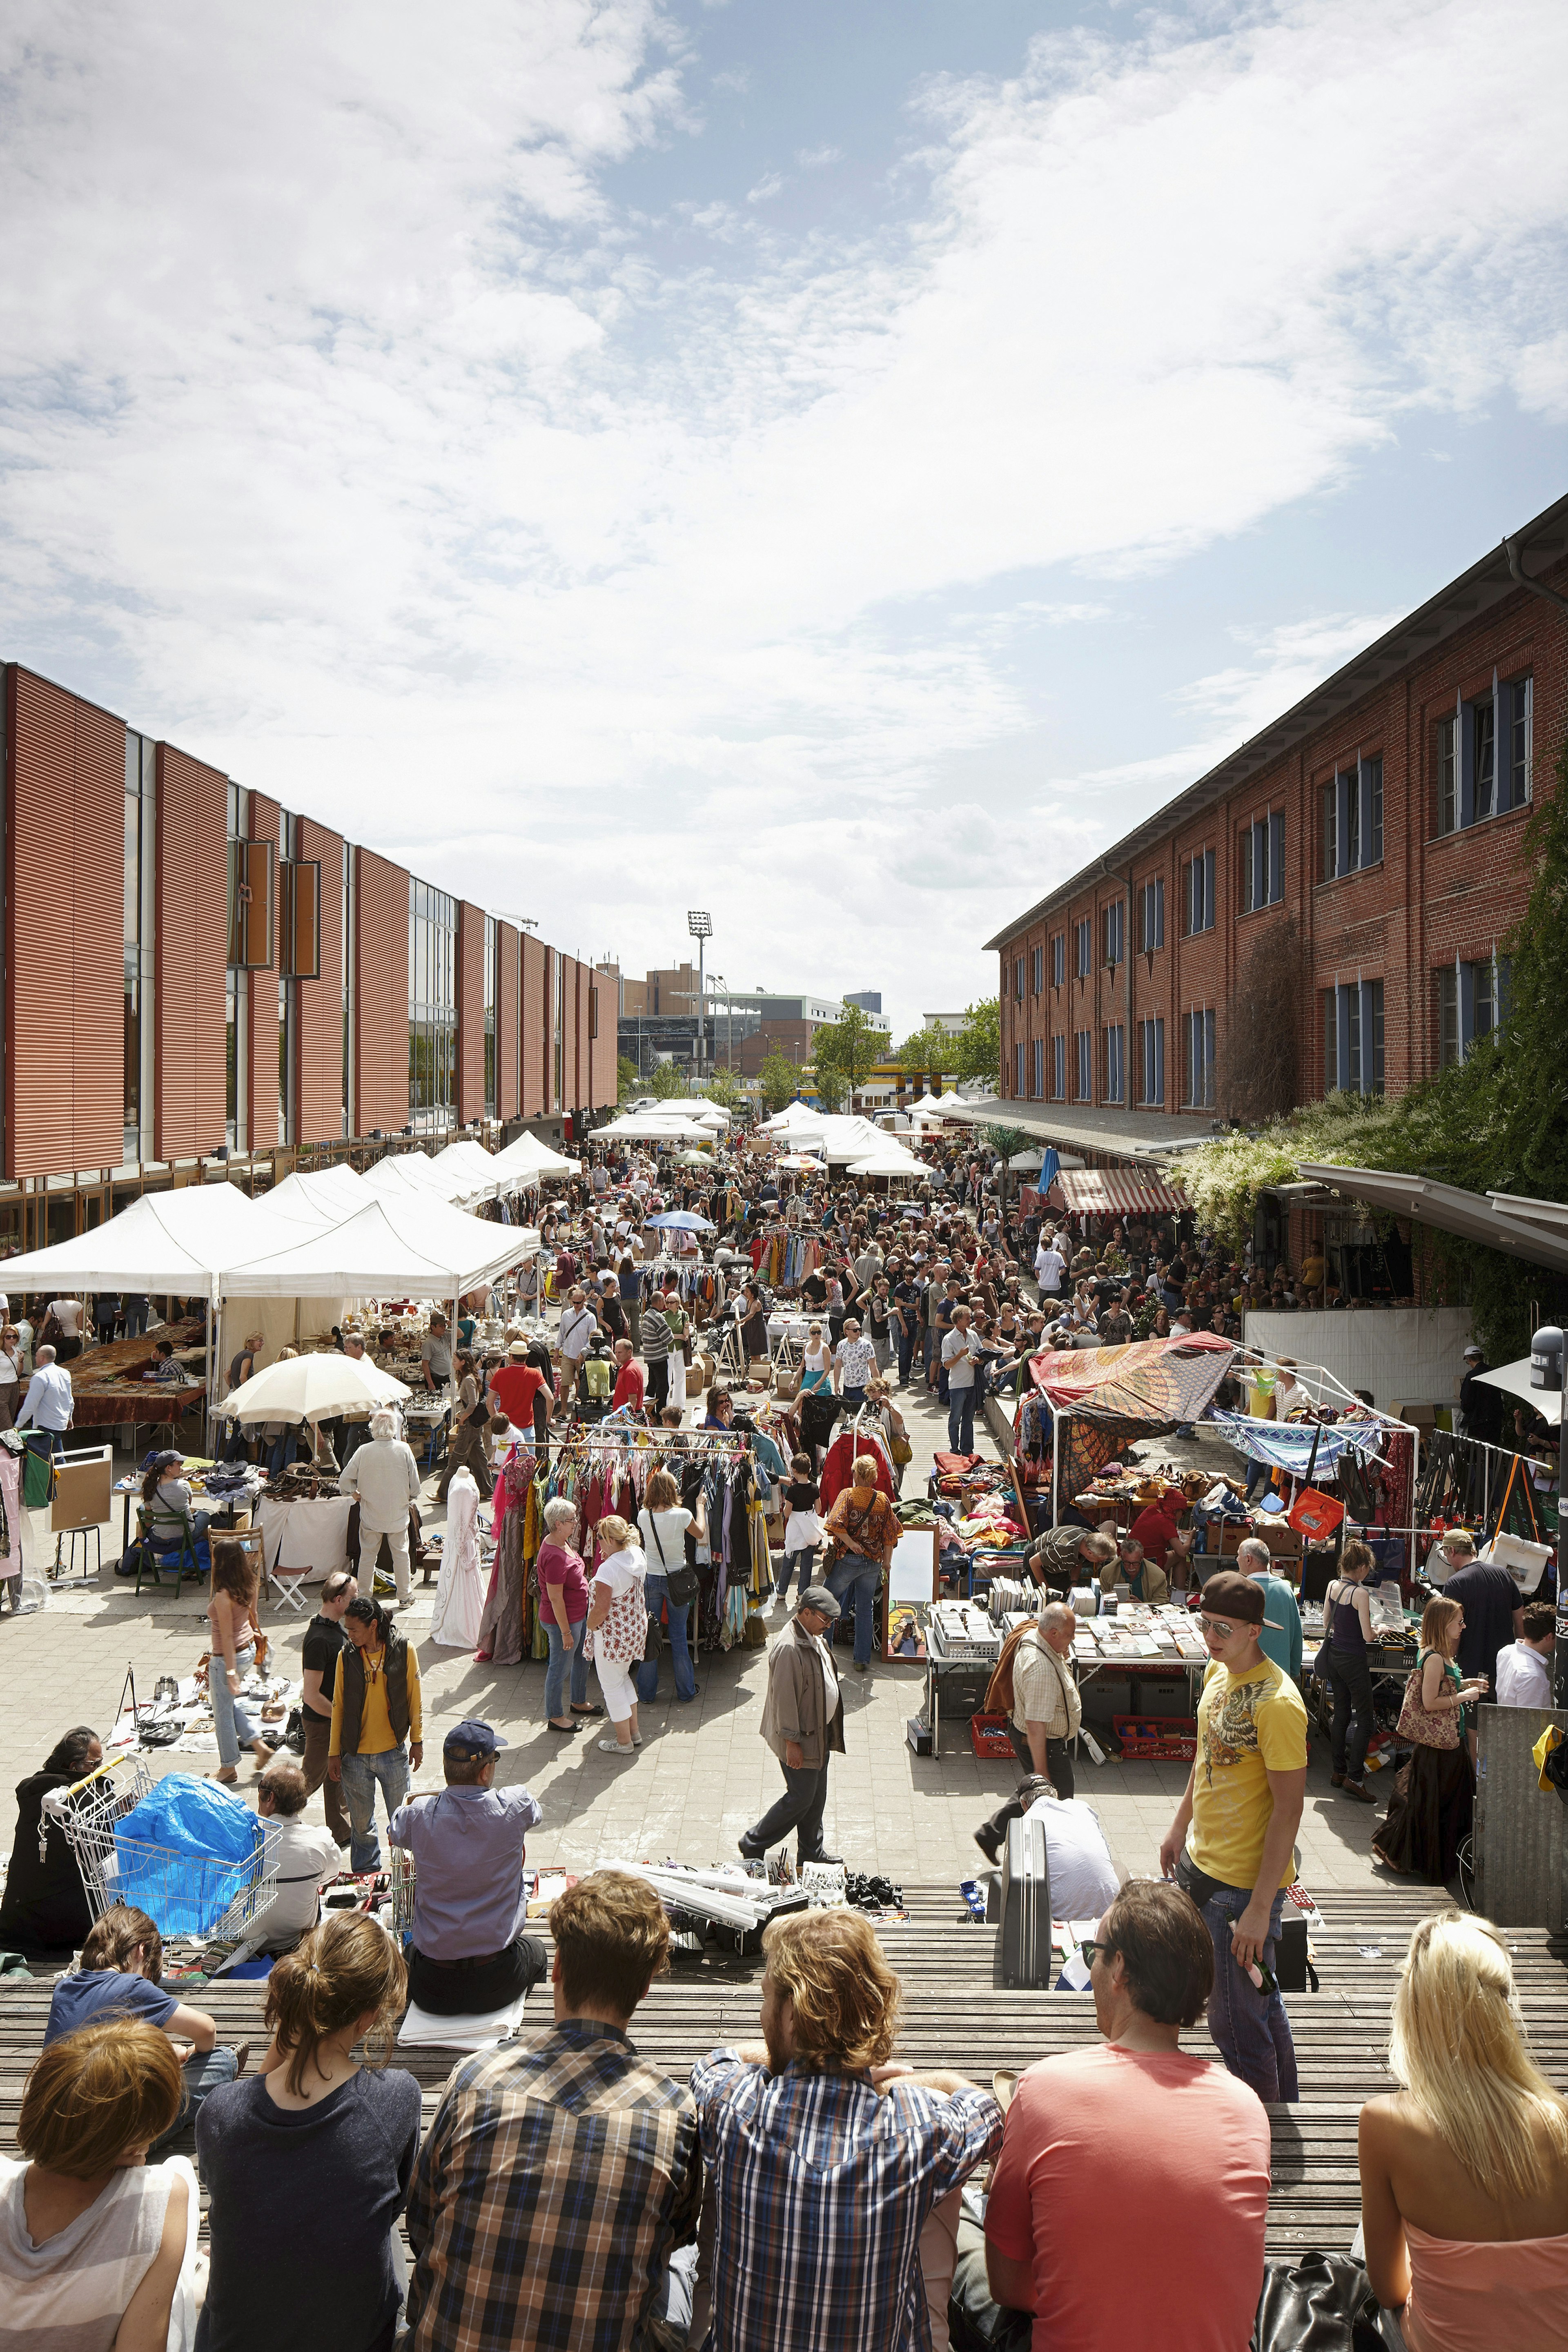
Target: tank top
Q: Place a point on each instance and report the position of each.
(76, 2285)
(1345, 1634)
(1469, 2296)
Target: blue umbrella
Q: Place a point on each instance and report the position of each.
(684, 1220)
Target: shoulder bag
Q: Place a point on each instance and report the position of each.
(1416, 1723)
(681, 1584)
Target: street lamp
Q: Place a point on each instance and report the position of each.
(699, 926)
(721, 982)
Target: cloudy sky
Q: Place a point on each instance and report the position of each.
(837, 464)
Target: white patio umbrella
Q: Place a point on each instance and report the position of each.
(312, 1388)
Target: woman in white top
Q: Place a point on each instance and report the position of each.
(10, 1393)
(618, 1630)
(662, 1524)
(816, 1365)
(92, 2237)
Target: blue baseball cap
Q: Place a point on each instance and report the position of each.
(471, 1738)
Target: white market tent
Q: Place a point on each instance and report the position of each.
(890, 1163)
(322, 1196)
(945, 1105)
(423, 1249)
(407, 1175)
(794, 1116)
(469, 1170)
(655, 1127)
(175, 1242)
(526, 1161)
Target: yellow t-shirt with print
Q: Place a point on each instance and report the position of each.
(1248, 1725)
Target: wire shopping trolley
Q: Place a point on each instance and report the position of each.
(183, 1894)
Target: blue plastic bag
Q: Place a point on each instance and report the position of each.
(184, 1852)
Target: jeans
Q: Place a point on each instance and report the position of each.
(555, 1670)
(361, 1774)
(281, 1451)
(905, 1341)
(209, 2071)
(800, 1809)
(135, 1322)
(656, 1591)
(1251, 2029)
(801, 1565)
(961, 1419)
(1349, 1679)
(862, 1578)
(232, 1719)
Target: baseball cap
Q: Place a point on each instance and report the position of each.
(1473, 1350)
(1230, 1594)
(471, 1739)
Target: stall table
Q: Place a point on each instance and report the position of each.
(109, 1388)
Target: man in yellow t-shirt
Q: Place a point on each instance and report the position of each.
(1232, 1844)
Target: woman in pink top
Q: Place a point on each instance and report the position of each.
(1464, 2172)
(563, 1610)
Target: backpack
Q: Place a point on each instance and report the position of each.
(999, 1689)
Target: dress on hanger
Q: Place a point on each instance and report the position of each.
(460, 1588)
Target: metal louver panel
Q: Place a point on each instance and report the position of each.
(381, 992)
(192, 948)
(470, 1012)
(261, 1110)
(508, 1035)
(320, 1042)
(535, 1014)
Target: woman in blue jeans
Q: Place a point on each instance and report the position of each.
(662, 1524)
(564, 1612)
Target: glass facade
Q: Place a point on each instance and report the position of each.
(140, 870)
(432, 1006)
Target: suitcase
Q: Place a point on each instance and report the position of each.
(1023, 1953)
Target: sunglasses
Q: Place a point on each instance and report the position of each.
(1219, 1625)
(1089, 1949)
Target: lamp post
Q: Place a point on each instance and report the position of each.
(699, 926)
(721, 982)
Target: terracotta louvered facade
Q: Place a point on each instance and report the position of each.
(508, 1037)
(191, 1092)
(535, 1027)
(263, 1075)
(470, 1087)
(65, 1068)
(320, 1047)
(381, 990)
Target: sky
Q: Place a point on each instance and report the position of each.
(836, 465)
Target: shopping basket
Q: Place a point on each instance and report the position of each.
(182, 1894)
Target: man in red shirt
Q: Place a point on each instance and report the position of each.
(1156, 1529)
(628, 1380)
(1188, 2278)
(516, 1384)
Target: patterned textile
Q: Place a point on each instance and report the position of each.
(548, 2193)
(1154, 1382)
(1288, 1444)
(821, 2188)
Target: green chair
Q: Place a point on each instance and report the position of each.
(151, 1518)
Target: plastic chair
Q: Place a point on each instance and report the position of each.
(183, 1559)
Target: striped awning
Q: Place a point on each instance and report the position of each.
(1119, 1193)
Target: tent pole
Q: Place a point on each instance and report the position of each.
(215, 1307)
(1055, 1461)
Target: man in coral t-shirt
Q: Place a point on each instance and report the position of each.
(1155, 1529)
(629, 1379)
(1188, 2277)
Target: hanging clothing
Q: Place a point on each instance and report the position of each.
(461, 1591)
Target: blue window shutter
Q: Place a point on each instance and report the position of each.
(1159, 1060)
(1467, 1008)
(1465, 739)
(1275, 857)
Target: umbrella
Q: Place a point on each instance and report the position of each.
(309, 1388)
(683, 1220)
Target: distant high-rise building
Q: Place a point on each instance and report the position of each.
(870, 1000)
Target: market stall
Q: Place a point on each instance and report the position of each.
(1101, 1399)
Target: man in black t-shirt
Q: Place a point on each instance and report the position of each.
(1494, 1612)
(324, 1641)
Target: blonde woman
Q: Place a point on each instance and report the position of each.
(1433, 1804)
(1464, 2170)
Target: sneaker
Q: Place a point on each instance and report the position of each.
(614, 1748)
(863, 1669)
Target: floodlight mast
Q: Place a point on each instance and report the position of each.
(700, 926)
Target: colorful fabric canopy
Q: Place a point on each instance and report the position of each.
(1119, 1193)
(1288, 1444)
(1154, 1382)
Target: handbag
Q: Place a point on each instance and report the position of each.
(901, 1450)
(1416, 1723)
(681, 1584)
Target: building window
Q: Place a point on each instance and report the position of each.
(1352, 1038)
(1115, 1062)
(1198, 1077)
(1472, 1001)
(1018, 978)
(1151, 1040)
(1060, 1069)
(1038, 970)
(1058, 957)
(288, 1002)
(432, 1006)
(140, 917)
(1037, 1070)
(1085, 942)
(1116, 933)
(1262, 874)
(490, 993)
(1152, 916)
(1017, 1065)
(1198, 887)
(1085, 1043)
(1352, 821)
(1484, 755)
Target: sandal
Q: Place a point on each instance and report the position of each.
(228, 1776)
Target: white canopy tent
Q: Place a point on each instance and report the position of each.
(420, 1249)
(945, 1105)
(1515, 1380)
(469, 1170)
(526, 1161)
(656, 1127)
(322, 1196)
(409, 1175)
(176, 1241)
(890, 1163)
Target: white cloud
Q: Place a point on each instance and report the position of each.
(354, 435)
(816, 159)
(767, 186)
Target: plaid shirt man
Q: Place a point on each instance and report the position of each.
(548, 2193)
(820, 2188)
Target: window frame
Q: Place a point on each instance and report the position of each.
(1508, 710)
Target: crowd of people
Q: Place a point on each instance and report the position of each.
(804, 2189)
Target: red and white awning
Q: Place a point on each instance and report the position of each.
(1120, 1192)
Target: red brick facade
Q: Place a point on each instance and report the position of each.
(1431, 901)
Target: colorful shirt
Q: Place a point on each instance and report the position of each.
(548, 2193)
(821, 2188)
(1248, 1725)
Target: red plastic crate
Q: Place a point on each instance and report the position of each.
(1160, 1738)
(988, 1738)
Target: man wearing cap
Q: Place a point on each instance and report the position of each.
(1481, 1405)
(803, 1723)
(1232, 1844)
(470, 1955)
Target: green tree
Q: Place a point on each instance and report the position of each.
(828, 1085)
(929, 1050)
(850, 1046)
(781, 1082)
(628, 1079)
(667, 1081)
(725, 1089)
(977, 1048)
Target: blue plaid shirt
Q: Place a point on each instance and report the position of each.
(820, 2189)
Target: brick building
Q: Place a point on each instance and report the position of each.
(1324, 909)
(193, 973)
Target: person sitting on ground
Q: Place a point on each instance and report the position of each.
(1464, 2170)
(120, 1975)
(1189, 2278)
(92, 2236)
(1524, 1667)
(306, 1857)
(468, 1955)
(307, 2163)
(559, 2179)
(824, 2160)
(44, 1908)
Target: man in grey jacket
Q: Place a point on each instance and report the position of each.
(803, 1723)
(385, 1477)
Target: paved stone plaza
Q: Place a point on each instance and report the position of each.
(702, 1775)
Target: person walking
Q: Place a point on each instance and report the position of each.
(385, 1477)
(324, 1643)
(656, 1341)
(48, 1404)
(1347, 1613)
(618, 1630)
(466, 1445)
(669, 1586)
(231, 1618)
(376, 1708)
(803, 1723)
(1433, 1804)
(865, 1530)
(579, 1329)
